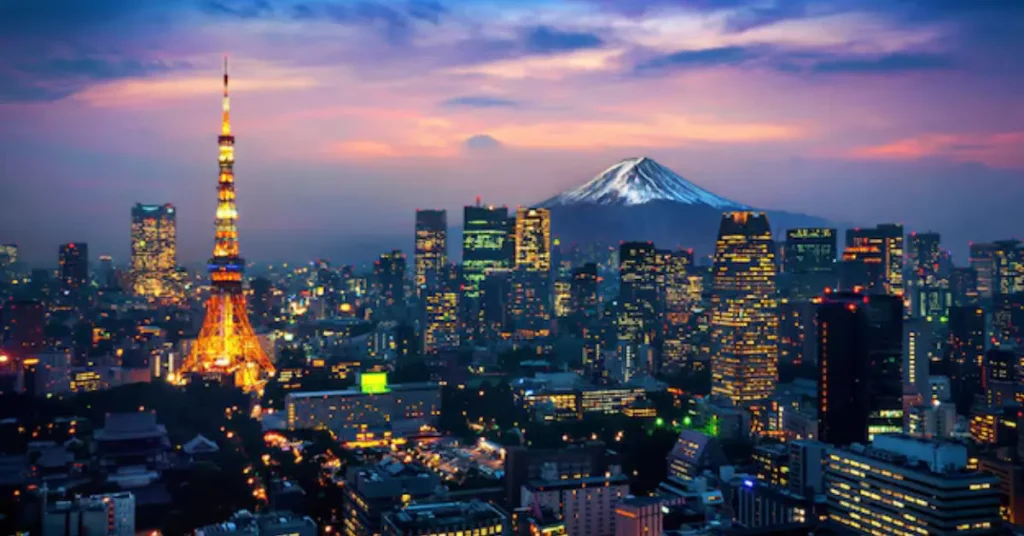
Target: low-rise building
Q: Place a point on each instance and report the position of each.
(445, 519)
(906, 485)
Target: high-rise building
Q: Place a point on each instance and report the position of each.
(431, 254)
(1008, 319)
(227, 344)
(23, 323)
(963, 285)
(584, 298)
(441, 312)
(107, 276)
(923, 254)
(639, 307)
(922, 345)
(906, 485)
(862, 269)
(860, 358)
(966, 354)
(262, 299)
(154, 259)
(888, 238)
(1008, 268)
(931, 300)
(797, 332)
(983, 261)
(810, 261)
(485, 247)
(389, 275)
(74, 273)
(1000, 377)
(843, 370)
(744, 320)
(531, 300)
(496, 305)
(679, 300)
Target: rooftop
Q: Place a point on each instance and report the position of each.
(355, 392)
(441, 515)
(129, 426)
(541, 484)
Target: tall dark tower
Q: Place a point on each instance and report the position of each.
(965, 353)
(860, 361)
(431, 250)
(843, 370)
(227, 344)
(389, 273)
(74, 273)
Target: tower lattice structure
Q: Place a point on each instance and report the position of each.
(227, 343)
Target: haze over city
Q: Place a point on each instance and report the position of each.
(351, 115)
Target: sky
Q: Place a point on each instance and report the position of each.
(349, 115)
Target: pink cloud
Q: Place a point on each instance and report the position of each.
(997, 150)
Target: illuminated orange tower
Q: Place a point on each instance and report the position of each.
(227, 343)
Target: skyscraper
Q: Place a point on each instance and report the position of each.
(638, 291)
(23, 323)
(389, 273)
(966, 352)
(744, 322)
(963, 284)
(227, 344)
(441, 312)
(678, 298)
(638, 304)
(107, 273)
(888, 238)
(923, 254)
(862, 268)
(74, 273)
(885, 357)
(1008, 268)
(860, 357)
(485, 247)
(843, 370)
(1000, 377)
(531, 299)
(810, 261)
(154, 250)
(983, 262)
(431, 254)
(584, 298)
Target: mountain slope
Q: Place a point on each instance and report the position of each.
(636, 181)
(639, 199)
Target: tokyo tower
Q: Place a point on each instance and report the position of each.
(227, 344)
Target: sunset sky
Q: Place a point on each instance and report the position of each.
(351, 114)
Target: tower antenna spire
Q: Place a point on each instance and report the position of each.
(226, 119)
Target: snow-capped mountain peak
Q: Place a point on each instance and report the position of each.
(635, 181)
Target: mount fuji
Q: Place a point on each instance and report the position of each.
(639, 199)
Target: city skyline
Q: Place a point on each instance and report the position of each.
(855, 111)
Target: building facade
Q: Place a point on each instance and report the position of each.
(744, 320)
(154, 251)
